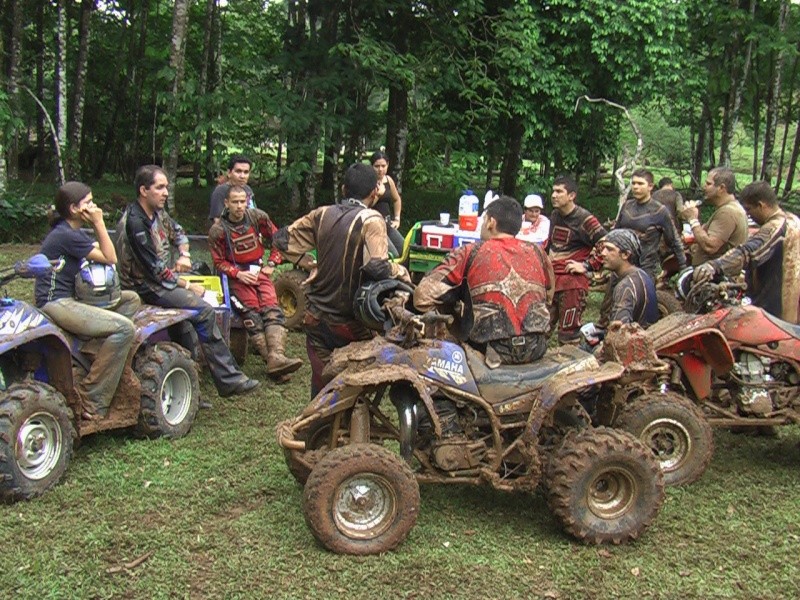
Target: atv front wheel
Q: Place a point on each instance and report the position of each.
(170, 391)
(36, 438)
(292, 296)
(605, 486)
(676, 432)
(361, 499)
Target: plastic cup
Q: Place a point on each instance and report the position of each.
(444, 218)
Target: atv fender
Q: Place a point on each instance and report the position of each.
(564, 383)
(152, 319)
(698, 354)
(342, 393)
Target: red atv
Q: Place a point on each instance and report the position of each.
(762, 387)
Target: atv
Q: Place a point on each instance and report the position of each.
(40, 409)
(455, 420)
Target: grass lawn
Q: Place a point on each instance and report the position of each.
(217, 515)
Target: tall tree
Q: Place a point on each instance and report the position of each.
(773, 96)
(15, 8)
(79, 87)
(177, 65)
(61, 84)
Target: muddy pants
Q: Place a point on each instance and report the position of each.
(566, 312)
(322, 338)
(115, 325)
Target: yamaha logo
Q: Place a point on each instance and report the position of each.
(457, 356)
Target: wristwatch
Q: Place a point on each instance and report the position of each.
(185, 254)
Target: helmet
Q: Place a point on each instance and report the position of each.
(369, 299)
(97, 284)
(684, 283)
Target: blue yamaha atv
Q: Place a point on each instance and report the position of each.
(40, 365)
(455, 420)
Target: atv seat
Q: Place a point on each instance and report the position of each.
(790, 328)
(508, 381)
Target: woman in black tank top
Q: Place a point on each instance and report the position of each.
(389, 203)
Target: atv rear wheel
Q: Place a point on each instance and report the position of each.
(605, 486)
(36, 439)
(361, 499)
(170, 391)
(667, 303)
(676, 432)
(292, 296)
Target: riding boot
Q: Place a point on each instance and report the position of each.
(277, 362)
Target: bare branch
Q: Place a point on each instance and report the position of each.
(627, 161)
(56, 141)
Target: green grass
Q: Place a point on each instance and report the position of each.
(222, 518)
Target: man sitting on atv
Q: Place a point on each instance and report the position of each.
(147, 235)
(58, 296)
(507, 283)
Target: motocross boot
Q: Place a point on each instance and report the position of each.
(273, 353)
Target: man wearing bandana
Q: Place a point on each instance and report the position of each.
(632, 291)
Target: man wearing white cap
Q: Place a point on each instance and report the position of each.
(535, 226)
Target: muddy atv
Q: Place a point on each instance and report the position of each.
(40, 410)
(454, 420)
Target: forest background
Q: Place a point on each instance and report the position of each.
(462, 93)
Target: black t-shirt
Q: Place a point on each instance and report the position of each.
(69, 246)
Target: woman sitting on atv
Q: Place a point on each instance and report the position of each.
(70, 297)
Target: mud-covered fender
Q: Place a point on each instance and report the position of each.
(342, 392)
(152, 319)
(564, 383)
(698, 355)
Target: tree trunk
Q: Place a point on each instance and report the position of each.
(511, 159)
(756, 123)
(177, 62)
(787, 121)
(711, 159)
(61, 86)
(79, 89)
(733, 107)
(793, 161)
(11, 166)
(40, 54)
(773, 100)
(397, 132)
(697, 162)
(203, 83)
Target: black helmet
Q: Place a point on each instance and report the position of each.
(369, 299)
(97, 284)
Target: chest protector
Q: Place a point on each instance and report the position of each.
(244, 242)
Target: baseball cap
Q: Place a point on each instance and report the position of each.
(533, 201)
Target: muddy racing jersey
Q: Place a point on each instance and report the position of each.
(634, 299)
(772, 260)
(352, 248)
(145, 249)
(510, 283)
(572, 237)
(651, 221)
(235, 246)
